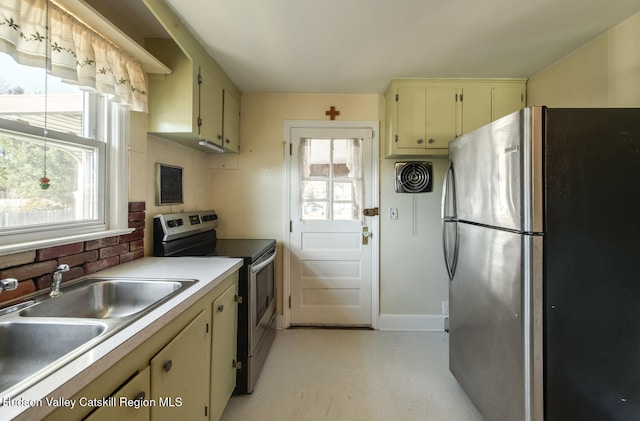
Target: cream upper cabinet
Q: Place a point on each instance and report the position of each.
(476, 107)
(231, 123)
(508, 98)
(197, 102)
(423, 115)
(185, 106)
(426, 117)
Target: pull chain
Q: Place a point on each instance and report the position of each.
(44, 181)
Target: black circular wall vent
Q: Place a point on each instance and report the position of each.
(414, 177)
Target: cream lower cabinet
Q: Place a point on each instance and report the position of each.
(134, 393)
(185, 371)
(423, 115)
(179, 384)
(223, 346)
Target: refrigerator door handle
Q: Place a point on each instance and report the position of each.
(450, 260)
(445, 193)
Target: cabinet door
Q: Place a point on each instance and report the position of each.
(180, 374)
(507, 99)
(231, 123)
(223, 372)
(440, 116)
(210, 108)
(476, 108)
(135, 389)
(411, 117)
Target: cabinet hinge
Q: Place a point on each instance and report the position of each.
(521, 97)
(397, 97)
(199, 121)
(290, 225)
(206, 411)
(396, 138)
(461, 96)
(291, 149)
(199, 79)
(207, 327)
(289, 301)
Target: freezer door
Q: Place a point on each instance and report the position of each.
(487, 336)
(496, 169)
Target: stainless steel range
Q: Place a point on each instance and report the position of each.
(194, 234)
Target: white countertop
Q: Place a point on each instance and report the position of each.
(74, 376)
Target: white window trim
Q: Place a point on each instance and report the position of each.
(116, 195)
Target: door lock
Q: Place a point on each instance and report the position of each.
(365, 235)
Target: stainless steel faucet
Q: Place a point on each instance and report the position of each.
(57, 279)
(8, 284)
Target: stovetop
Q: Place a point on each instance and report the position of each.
(249, 249)
(193, 234)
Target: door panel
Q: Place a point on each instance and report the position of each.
(331, 266)
(488, 173)
(486, 321)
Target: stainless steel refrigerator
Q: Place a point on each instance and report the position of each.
(541, 237)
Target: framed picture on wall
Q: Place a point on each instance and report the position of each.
(168, 184)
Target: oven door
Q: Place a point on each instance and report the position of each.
(262, 295)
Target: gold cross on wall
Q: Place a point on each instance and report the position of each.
(332, 112)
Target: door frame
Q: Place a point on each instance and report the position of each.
(284, 320)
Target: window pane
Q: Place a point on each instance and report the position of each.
(342, 191)
(343, 211)
(314, 190)
(340, 154)
(71, 168)
(319, 157)
(22, 98)
(314, 210)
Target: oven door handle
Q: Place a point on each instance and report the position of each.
(257, 268)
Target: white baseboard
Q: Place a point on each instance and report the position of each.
(398, 322)
(411, 322)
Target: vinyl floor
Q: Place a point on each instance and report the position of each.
(332, 374)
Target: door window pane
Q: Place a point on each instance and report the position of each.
(314, 190)
(330, 178)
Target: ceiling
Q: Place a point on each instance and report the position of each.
(356, 46)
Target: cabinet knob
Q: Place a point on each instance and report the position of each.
(420, 141)
(220, 308)
(167, 366)
(432, 140)
(227, 140)
(139, 397)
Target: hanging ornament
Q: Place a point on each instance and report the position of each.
(44, 183)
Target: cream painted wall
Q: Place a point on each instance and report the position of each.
(144, 152)
(413, 278)
(247, 189)
(603, 73)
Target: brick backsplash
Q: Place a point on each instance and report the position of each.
(34, 268)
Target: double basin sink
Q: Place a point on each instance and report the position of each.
(41, 334)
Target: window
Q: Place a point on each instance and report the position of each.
(331, 179)
(82, 134)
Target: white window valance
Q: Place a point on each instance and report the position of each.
(74, 51)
